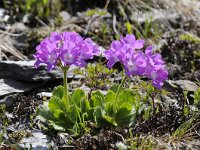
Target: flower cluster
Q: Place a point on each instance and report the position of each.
(67, 48)
(135, 61)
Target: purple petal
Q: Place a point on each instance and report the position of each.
(129, 39)
(157, 84)
(111, 62)
(138, 44)
(149, 50)
(116, 45)
(37, 63)
(55, 37)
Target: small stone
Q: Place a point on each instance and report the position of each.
(45, 94)
(85, 88)
(186, 85)
(65, 15)
(169, 101)
(9, 86)
(183, 85)
(25, 71)
(37, 141)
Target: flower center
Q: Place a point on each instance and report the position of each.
(68, 58)
(52, 58)
(153, 75)
(132, 66)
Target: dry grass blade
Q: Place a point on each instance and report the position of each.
(7, 47)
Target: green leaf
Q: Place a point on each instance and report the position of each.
(110, 97)
(58, 92)
(58, 125)
(127, 96)
(114, 88)
(109, 119)
(77, 96)
(128, 27)
(100, 121)
(85, 106)
(59, 114)
(72, 113)
(97, 99)
(43, 112)
(110, 110)
(90, 114)
(197, 97)
(125, 116)
(55, 104)
(98, 93)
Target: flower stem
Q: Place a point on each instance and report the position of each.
(119, 89)
(65, 86)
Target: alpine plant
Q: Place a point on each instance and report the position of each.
(128, 52)
(69, 48)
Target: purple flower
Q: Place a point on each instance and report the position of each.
(158, 76)
(135, 62)
(68, 48)
(130, 40)
(119, 49)
(55, 37)
(77, 50)
(46, 53)
(113, 54)
(88, 50)
(155, 68)
(124, 51)
(68, 53)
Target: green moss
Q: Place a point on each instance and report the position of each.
(190, 38)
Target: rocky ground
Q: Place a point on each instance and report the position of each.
(173, 27)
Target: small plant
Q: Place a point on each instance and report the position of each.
(64, 110)
(2, 110)
(36, 8)
(2, 132)
(119, 106)
(190, 37)
(92, 12)
(150, 29)
(197, 97)
(96, 76)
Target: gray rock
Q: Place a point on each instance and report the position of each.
(165, 18)
(186, 85)
(9, 86)
(45, 94)
(85, 88)
(174, 70)
(25, 71)
(3, 16)
(38, 141)
(170, 101)
(65, 15)
(20, 41)
(22, 76)
(2, 12)
(8, 101)
(183, 85)
(167, 14)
